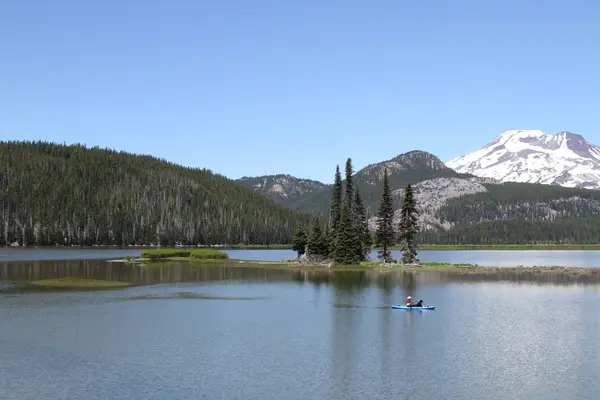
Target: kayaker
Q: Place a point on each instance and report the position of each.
(409, 302)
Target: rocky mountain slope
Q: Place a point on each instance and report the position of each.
(531, 156)
(462, 208)
(312, 196)
(283, 189)
(432, 195)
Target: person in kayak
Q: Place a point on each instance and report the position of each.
(409, 302)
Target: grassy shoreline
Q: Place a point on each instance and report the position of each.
(429, 247)
(375, 266)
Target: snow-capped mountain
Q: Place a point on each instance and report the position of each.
(531, 156)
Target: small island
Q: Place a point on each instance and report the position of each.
(162, 257)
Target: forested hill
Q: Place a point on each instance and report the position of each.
(311, 196)
(54, 194)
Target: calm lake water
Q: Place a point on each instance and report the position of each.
(496, 258)
(192, 331)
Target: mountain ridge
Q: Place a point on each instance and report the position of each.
(459, 208)
(412, 166)
(532, 156)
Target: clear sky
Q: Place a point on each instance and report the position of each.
(296, 86)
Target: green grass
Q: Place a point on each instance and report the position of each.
(70, 282)
(209, 254)
(201, 254)
(449, 247)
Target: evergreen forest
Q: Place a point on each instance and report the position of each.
(73, 195)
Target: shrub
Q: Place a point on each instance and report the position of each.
(202, 254)
(156, 254)
(209, 254)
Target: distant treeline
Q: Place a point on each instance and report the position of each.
(565, 231)
(72, 195)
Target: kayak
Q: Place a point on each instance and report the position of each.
(403, 307)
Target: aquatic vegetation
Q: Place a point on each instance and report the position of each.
(71, 282)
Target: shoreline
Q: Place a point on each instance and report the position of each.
(422, 247)
(375, 266)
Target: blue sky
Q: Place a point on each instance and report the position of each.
(260, 87)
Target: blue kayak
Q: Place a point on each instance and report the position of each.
(403, 307)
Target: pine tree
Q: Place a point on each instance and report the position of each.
(362, 228)
(345, 243)
(329, 239)
(299, 241)
(349, 195)
(317, 242)
(384, 235)
(408, 226)
(336, 200)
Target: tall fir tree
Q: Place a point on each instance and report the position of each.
(362, 228)
(384, 236)
(317, 242)
(329, 240)
(336, 200)
(349, 192)
(299, 241)
(345, 243)
(408, 228)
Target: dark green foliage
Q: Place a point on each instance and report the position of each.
(414, 166)
(517, 213)
(156, 254)
(329, 236)
(209, 254)
(384, 235)
(408, 227)
(361, 228)
(299, 241)
(349, 196)
(335, 206)
(346, 239)
(521, 201)
(317, 242)
(559, 231)
(73, 195)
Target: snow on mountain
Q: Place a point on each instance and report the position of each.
(531, 156)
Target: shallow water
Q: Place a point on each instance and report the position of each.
(219, 332)
(495, 258)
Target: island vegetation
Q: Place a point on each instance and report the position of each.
(198, 254)
(346, 238)
(375, 266)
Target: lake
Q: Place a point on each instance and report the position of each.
(216, 331)
(493, 258)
